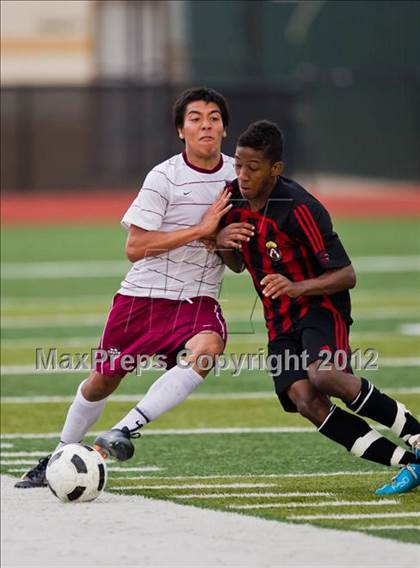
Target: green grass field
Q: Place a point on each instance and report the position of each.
(228, 447)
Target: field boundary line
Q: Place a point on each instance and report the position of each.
(110, 268)
(30, 369)
(390, 527)
(355, 516)
(262, 494)
(298, 505)
(50, 399)
(195, 486)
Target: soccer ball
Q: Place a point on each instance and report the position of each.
(76, 473)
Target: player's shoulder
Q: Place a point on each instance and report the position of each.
(299, 196)
(169, 165)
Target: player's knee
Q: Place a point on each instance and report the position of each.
(320, 378)
(310, 403)
(210, 344)
(206, 353)
(99, 386)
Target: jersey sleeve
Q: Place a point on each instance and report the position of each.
(312, 226)
(150, 205)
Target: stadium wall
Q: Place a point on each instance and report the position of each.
(356, 63)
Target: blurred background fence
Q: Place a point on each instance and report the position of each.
(88, 85)
(109, 136)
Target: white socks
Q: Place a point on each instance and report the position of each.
(168, 391)
(80, 417)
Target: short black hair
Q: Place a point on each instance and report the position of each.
(199, 94)
(265, 136)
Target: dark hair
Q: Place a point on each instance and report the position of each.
(265, 136)
(199, 94)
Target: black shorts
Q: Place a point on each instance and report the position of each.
(321, 334)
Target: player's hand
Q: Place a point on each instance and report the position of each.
(209, 243)
(275, 285)
(232, 236)
(211, 218)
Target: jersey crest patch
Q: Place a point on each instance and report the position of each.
(273, 250)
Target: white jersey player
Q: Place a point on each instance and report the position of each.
(167, 301)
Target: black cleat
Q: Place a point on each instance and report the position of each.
(35, 477)
(116, 443)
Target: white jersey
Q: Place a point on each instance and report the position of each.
(175, 195)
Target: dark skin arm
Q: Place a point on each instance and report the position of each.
(229, 241)
(232, 259)
(330, 282)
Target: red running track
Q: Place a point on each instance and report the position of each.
(102, 207)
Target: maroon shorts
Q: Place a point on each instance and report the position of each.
(138, 326)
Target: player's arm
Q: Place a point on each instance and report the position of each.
(331, 282)
(142, 243)
(229, 242)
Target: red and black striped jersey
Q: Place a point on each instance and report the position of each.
(294, 236)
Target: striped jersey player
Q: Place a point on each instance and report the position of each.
(168, 300)
(303, 275)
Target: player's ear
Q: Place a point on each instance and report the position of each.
(224, 133)
(277, 168)
(180, 133)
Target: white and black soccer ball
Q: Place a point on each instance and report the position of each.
(76, 473)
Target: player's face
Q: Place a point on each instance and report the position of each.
(256, 174)
(203, 128)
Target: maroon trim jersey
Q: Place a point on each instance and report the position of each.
(294, 236)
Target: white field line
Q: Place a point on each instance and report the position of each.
(31, 370)
(237, 476)
(196, 486)
(181, 432)
(355, 516)
(298, 505)
(80, 320)
(102, 302)
(187, 432)
(229, 495)
(247, 476)
(21, 454)
(205, 396)
(85, 341)
(389, 527)
(6, 445)
(108, 268)
(135, 469)
(146, 469)
(16, 462)
(411, 329)
(66, 269)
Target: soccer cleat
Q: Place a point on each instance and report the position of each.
(116, 443)
(35, 477)
(407, 479)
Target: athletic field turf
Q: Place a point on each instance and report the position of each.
(230, 446)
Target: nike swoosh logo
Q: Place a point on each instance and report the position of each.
(187, 192)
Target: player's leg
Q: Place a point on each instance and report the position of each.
(92, 393)
(85, 410)
(360, 396)
(197, 324)
(169, 390)
(348, 429)
(364, 399)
